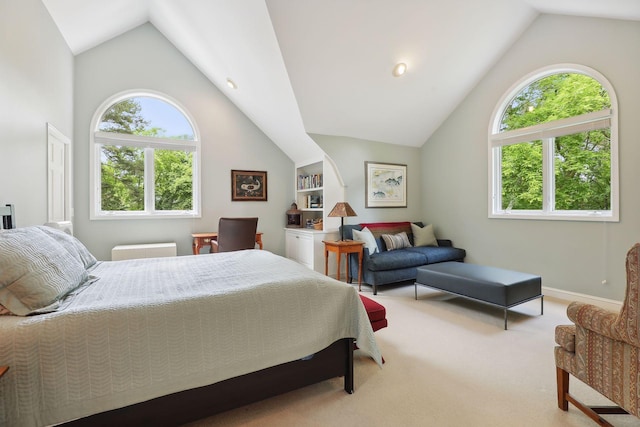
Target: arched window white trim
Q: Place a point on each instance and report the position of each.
(546, 132)
(99, 138)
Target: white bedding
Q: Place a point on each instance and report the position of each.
(155, 326)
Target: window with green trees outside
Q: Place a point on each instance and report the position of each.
(553, 148)
(145, 155)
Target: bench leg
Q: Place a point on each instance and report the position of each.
(541, 305)
(505, 318)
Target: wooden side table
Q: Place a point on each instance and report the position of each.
(204, 239)
(344, 247)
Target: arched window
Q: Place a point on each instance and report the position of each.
(553, 148)
(144, 158)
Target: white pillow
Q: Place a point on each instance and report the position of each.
(423, 236)
(36, 271)
(366, 236)
(71, 244)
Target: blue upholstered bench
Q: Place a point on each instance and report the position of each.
(490, 285)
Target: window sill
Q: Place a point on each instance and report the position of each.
(146, 215)
(557, 216)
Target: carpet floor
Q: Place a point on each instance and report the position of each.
(449, 362)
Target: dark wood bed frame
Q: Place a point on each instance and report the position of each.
(190, 405)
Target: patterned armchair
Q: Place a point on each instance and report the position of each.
(602, 350)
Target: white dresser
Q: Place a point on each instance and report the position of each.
(305, 246)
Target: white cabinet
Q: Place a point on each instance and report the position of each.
(300, 247)
(305, 246)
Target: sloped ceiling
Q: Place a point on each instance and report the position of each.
(325, 67)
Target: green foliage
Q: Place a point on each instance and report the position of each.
(122, 167)
(584, 182)
(124, 117)
(522, 176)
(173, 178)
(122, 178)
(582, 162)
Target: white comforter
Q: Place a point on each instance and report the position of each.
(151, 327)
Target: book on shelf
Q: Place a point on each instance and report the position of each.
(306, 182)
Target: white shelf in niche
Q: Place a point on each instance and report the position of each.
(306, 190)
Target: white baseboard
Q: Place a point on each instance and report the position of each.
(605, 303)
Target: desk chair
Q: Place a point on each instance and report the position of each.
(235, 234)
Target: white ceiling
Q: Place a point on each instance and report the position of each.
(308, 66)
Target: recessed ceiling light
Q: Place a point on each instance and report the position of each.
(399, 69)
(231, 84)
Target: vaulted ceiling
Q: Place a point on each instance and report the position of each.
(325, 67)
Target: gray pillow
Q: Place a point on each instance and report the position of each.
(71, 245)
(36, 271)
(423, 236)
(396, 241)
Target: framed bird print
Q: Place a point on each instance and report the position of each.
(248, 186)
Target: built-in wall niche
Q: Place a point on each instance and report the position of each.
(310, 192)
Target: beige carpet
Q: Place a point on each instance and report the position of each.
(449, 362)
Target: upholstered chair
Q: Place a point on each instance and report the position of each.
(235, 234)
(602, 349)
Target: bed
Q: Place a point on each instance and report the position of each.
(163, 341)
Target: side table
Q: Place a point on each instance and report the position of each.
(344, 247)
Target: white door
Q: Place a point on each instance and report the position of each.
(59, 176)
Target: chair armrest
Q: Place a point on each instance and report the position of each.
(595, 319)
(566, 337)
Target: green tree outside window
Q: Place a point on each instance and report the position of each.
(123, 166)
(581, 161)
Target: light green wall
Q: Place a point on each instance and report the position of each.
(447, 176)
(573, 256)
(349, 155)
(36, 88)
(144, 59)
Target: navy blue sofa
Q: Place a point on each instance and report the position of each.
(398, 265)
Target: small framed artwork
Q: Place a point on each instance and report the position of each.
(385, 185)
(248, 186)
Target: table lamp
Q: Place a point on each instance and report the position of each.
(342, 209)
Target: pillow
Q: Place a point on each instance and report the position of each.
(36, 271)
(396, 241)
(367, 237)
(71, 244)
(423, 236)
